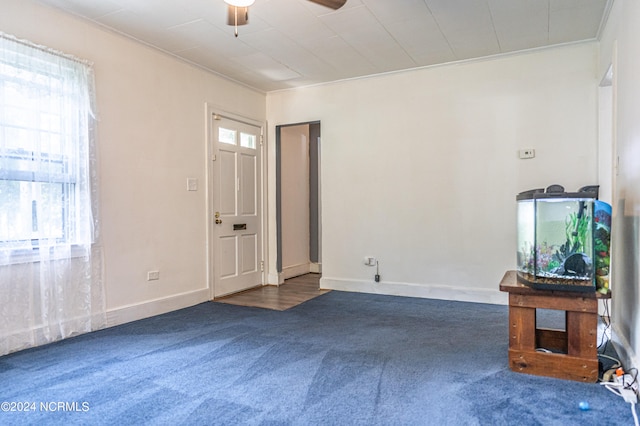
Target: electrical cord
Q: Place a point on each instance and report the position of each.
(625, 390)
(606, 375)
(635, 378)
(615, 360)
(606, 320)
(616, 391)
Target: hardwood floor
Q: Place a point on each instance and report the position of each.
(293, 292)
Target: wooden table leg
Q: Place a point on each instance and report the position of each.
(582, 329)
(522, 330)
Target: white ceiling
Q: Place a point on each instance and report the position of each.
(290, 43)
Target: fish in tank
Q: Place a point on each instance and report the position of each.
(563, 239)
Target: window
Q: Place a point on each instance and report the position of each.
(45, 115)
(51, 274)
(229, 136)
(247, 140)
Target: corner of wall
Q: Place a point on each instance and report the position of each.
(627, 355)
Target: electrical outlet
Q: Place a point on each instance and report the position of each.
(153, 275)
(370, 261)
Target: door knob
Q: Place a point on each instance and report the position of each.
(217, 215)
(218, 221)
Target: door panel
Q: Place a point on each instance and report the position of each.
(237, 222)
(227, 247)
(249, 254)
(227, 183)
(249, 191)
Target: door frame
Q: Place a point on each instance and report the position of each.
(210, 110)
(315, 207)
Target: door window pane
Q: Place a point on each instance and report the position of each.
(226, 136)
(247, 140)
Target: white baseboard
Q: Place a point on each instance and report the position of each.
(441, 292)
(275, 278)
(38, 334)
(33, 337)
(151, 308)
(296, 270)
(293, 271)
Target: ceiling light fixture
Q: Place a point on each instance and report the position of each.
(239, 10)
(238, 13)
(240, 3)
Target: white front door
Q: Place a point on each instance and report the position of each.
(236, 216)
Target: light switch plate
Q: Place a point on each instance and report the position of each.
(192, 184)
(527, 153)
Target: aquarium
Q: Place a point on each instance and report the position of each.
(563, 239)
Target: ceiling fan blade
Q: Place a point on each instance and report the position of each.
(243, 15)
(333, 4)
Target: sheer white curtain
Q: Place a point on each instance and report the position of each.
(50, 256)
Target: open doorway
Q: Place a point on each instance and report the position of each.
(298, 202)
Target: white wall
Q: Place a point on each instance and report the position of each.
(605, 143)
(151, 139)
(620, 46)
(420, 168)
(294, 190)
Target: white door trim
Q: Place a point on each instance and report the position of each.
(210, 110)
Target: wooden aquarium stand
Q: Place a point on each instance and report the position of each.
(574, 353)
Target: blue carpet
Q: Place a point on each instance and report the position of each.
(340, 359)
